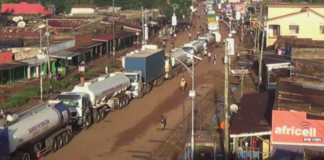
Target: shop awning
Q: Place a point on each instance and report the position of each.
(11, 65)
(65, 54)
(35, 61)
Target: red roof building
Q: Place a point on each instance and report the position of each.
(24, 8)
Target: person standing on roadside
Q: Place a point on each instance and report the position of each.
(162, 123)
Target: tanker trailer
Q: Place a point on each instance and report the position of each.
(89, 100)
(35, 132)
(209, 42)
(172, 64)
(195, 48)
(145, 70)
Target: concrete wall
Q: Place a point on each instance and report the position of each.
(309, 27)
(281, 11)
(82, 10)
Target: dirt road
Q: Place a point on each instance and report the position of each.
(131, 133)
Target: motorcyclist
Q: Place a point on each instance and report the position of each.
(214, 59)
(198, 34)
(172, 44)
(164, 44)
(183, 84)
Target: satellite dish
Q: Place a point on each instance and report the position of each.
(15, 19)
(234, 108)
(21, 24)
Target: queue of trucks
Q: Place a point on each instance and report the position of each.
(47, 127)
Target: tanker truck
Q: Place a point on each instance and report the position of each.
(35, 132)
(89, 101)
(209, 42)
(172, 64)
(195, 48)
(145, 69)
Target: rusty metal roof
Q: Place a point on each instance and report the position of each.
(278, 73)
(301, 94)
(253, 114)
(11, 65)
(274, 59)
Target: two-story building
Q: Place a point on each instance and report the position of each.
(300, 21)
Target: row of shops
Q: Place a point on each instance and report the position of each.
(288, 125)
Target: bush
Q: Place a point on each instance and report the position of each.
(24, 97)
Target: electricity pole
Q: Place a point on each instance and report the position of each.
(261, 58)
(175, 6)
(114, 29)
(143, 28)
(226, 136)
(48, 53)
(259, 28)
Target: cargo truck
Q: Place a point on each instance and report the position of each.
(213, 26)
(89, 101)
(218, 38)
(173, 62)
(209, 42)
(145, 69)
(195, 47)
(35, 132)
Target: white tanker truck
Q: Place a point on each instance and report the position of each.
(35, 132)
(172, 64)
(209, 42)
(88, 101)
(195, 48)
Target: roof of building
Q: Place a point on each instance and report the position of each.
(300, 94)
(126, 25)
(90, 45)
(9, 43)
(104, 7)
(35, 61)
(294, 5)
(309, 68)
(111, 9)
(66, 23)
(11, 65)
(25, 8)
(274, 59)
(93, 6)
(69, 53)
(110, 37)
(252, 115)
(85, 15)
(295, 42)
(304, 10)
(278, 73)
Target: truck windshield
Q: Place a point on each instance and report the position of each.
(132, 78)
(70, 100)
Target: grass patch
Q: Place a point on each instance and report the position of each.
(24, 97)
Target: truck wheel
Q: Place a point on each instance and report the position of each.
(59, 141)
(25, 156)
(88, 121)
(54, 145)
(102, 114)
(96, 116)
(65, 138)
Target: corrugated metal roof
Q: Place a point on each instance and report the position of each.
(36, 61)
(24, 8)
(89, 45)
(124, 24)
(9, 43)
(84, 14)
(253, 114)
(110, 37)
(93, 6)
(11, 65)
(274, 59)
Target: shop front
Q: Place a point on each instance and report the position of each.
(293, 132)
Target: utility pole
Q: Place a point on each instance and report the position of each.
(242, 34)
(143, 28)
(226, 136)
(114, 29)
(41, 76)
(261, 58)
(242, 82)
(175, 6)
(259, 29)
(48, 53)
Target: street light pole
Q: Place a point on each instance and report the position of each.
(226, 141)
(114, 29)
(193, 112)
(41, 76)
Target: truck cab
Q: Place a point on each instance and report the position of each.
(135, 78)
(78, 103)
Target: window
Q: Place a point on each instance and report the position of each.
(293, 29)
(322, 29)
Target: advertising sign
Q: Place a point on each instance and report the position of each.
(174, 20)
(230, 46)
(294, 128)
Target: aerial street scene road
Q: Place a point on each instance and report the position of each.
(162, 80)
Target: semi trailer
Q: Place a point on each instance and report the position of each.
(174, 62)
(89, 101)
(195, 47)
(35, 132)
(145, 69)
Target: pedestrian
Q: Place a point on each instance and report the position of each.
(175, 36)
(162, 123)
(183, 84)
(215, 59)
(209, 56)
(50, 91)
(189, 36)
(198, 34)
(238, 57)
(2, 114)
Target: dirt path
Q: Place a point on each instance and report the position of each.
(131, 133)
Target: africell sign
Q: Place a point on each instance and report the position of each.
(294, 128)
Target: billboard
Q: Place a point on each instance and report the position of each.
(290, 127)
(230, 46)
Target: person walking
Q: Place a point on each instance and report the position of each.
(183, 85)
(215, 59)
(162, 123)
(209, 56)
(175, 36)
(189, 36)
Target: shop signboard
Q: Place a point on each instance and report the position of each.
(291, 127)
